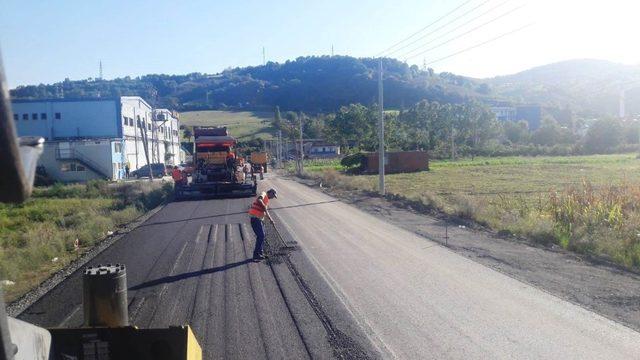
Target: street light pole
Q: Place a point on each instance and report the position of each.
(381, 156)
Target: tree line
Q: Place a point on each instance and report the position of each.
(450, 130)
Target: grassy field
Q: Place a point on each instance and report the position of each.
(241, 124)
(37, 237)
(589, 204)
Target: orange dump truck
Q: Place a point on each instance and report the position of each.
(258, 159)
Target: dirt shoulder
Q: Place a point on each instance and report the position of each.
(596, 285)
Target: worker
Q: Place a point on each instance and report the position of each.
(231, 160)
(177, 175)
(257, 213)
(261, 172)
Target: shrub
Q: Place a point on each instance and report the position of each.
(353, 161)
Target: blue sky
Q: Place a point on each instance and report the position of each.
(47, 41)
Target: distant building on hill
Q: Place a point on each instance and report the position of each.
(96, 138)
(322, 149)
(504, 113)
(532, 113)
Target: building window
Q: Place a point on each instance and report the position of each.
(15, 117)
(69, 167)
(34, 116)
(117, 148)
(149, 127)
(25, 116)
(58, 116)
(43, 116)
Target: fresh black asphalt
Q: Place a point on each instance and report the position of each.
(190, 264)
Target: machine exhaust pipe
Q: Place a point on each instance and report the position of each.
(105, 296)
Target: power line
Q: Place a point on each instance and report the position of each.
(480, 44)
(406, 55)
(443, 26)
(452, 30)
(424, 28)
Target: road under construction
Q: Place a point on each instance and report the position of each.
(339, 283)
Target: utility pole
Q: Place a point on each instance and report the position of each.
(264, 57)
(208, 92)
(301, 151)
(100, 76)
(279, 148)
(381, 156)
(331, 50)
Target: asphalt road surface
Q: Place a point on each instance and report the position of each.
(346, 285)
(191, 264)
(418, 300)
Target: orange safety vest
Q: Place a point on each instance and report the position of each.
(257, 209)
(176, 174)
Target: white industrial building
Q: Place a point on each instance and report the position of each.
(96, 138)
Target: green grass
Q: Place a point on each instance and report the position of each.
(570, 201)
(241, 124)
(37, 237)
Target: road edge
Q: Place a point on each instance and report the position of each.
(18, 306)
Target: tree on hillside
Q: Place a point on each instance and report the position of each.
(517, 132)
(551, 133)
(603, 135)
(353, 124)
(187, 133)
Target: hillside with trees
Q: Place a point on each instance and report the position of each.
(589, 87)
(313, 84)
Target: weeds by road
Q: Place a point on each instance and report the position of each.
(586, 204)
(40, 236)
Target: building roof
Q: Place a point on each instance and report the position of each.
(64, 99)
(322, 143)
(87, 99)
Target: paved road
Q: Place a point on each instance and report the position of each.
(418, 300)
(190, 264)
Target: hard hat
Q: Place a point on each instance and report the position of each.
(272, 191)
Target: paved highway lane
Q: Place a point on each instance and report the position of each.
(418, 300)
(190, 264)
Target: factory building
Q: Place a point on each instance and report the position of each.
(97, 138)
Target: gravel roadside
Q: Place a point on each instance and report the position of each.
(591, 283)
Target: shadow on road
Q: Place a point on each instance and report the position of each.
(235, 213)
(174, 278)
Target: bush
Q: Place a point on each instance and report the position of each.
(354, 161)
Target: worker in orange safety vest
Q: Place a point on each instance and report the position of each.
(257, 213)
(178, 176)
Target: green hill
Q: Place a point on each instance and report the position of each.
(590, 87)
(241, 124)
